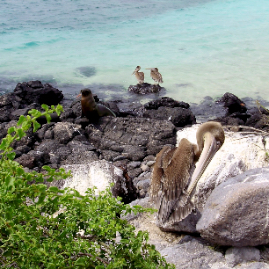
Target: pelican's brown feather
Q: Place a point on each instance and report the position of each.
(156, 76)
(175, 177)
(139, 75)
(157, 173)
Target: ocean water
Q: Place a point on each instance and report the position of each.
(201, 47)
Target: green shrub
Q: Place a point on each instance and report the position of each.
(43, 227)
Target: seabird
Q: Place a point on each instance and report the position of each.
(155, 75)
(175, 176)
(139, 75)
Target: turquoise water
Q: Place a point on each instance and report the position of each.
(201, 47)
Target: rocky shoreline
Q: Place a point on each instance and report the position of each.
(125, 147)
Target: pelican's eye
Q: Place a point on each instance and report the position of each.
(218, 144)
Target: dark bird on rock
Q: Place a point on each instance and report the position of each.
(155, 75)
(139, 75)
(175, 176)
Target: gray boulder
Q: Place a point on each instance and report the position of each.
(130, 108)
(179, 116)
(26, 161)
(65, 131)
(236, 212)
(253, 265)
(165, 101)
(145, 88)
(235, 256)
(130, 138)
(34, 158)
(186, 251)
(36, 92)
(196, 254)
(99, 174)
(57, 152)
(75, 152)
(45, 132)
(82, 152)
(142, 183)
(193, 253)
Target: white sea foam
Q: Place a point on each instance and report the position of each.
(203, 48)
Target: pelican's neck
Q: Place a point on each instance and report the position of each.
(206, 150)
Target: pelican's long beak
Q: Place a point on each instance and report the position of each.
(208, 152)
(78, 95)
(149, 68)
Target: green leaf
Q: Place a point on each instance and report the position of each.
(19, 171)
(47, 168)
(36, 125)
(59, 109)
(21, 120)
(80, 262)
(50, 179)
(11, 130)
(21, 133)
(11, 155)
(4, 144)
(25, 125)
(10, 183)
(45, 107)
(53, 189)
(35, 113)
(41, 199)
(48, 117)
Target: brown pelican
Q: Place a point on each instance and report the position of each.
(174, 177)
(155, 75)
(139, 75)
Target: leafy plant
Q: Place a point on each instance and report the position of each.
(44, 227)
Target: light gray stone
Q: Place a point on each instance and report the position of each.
(237, 211)
(143, 184)
(193, 254)
(144, 167)
(132, 165)
(65, 131)
(150, 163)
(141, 202)
(98, 174)
(235, 256)
(253, 265)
